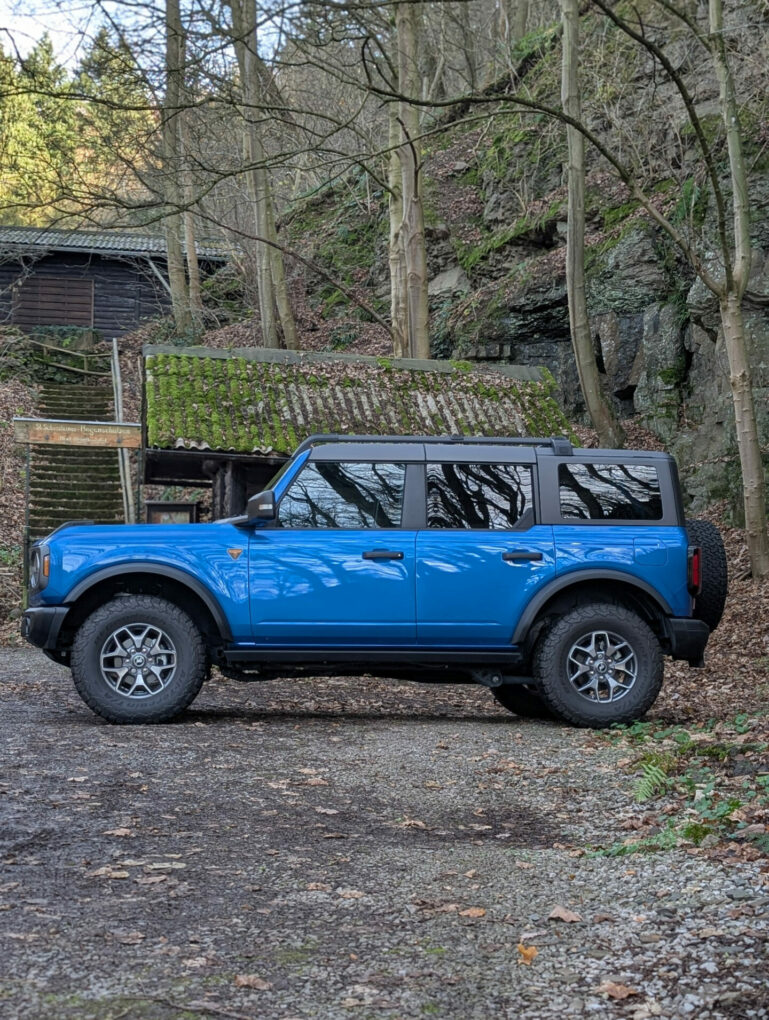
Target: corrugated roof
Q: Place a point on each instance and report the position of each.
(267, 401)
(104, 242)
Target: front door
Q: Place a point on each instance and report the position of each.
(338, 568)
(481, 557)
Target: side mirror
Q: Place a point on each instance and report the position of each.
(261, 507)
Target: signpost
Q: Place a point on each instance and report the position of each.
(113, 435)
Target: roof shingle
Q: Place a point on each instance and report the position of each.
(18, 240)
(263, 401)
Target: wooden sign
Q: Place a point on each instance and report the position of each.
(114, 435)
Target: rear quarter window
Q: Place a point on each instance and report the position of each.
(609, 492)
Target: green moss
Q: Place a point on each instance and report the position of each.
(470, 255)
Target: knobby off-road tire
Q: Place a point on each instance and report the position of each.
(523, 701)
(709, 604)
(138, 659)
(606, 646)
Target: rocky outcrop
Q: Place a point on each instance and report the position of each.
(658, 344)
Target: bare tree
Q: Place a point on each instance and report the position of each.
(610, 434)
(412, 228)
(172, 105)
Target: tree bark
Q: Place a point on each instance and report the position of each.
(190, 244)
(174, 75)
(409, 154)
(737, 274)
(610, 433)
(398, 306)
(748, 445)
(278, 274)
(270, 270)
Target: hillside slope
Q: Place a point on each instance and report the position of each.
(496, 219)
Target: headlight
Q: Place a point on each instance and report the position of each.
(39, 567)
(34, 569)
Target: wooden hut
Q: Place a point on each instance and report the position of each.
(105, 280)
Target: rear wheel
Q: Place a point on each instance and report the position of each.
(598, 665)
(523, 700)
(138, 659)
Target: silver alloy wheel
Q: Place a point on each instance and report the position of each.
(138, 660)
(601, 666)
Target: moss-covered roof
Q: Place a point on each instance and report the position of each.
(267, 401)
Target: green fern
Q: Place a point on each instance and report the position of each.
(653, 783)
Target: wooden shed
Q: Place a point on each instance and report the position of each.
(107, 280)
(229, 419)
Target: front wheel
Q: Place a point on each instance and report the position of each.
(598, 665)
(138, 659)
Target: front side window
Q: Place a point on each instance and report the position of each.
(482, 496)
(610, 492)
(353, 495)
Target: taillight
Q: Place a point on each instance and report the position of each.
(695, 570)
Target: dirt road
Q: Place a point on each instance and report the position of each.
(325, 849)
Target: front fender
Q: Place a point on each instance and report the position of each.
(120, 570)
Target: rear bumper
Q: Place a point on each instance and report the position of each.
(687, 639)
(41, 625)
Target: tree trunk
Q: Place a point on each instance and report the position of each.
(174, 74)
(601, 414)
(736, 280)
(278, 274)
(193, 269)
(751, 463)
(244, 22)
(398, 307)
(412, 225)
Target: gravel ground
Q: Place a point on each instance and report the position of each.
(329, 849)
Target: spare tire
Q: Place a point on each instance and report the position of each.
(709, 604)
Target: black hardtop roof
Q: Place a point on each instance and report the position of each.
(558, 445)
(330, 446)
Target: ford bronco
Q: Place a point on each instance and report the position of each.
(556, 576)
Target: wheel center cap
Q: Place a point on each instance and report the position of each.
(138, 659)
(600, 667)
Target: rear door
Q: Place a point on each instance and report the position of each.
(482, 555)
(338, 567)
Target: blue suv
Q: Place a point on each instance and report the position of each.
(557, 577)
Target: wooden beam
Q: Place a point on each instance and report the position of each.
(114, 435)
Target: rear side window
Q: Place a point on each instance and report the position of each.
(609, 492)
(354, 495)
(483, 496)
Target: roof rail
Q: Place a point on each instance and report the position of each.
(560, 445)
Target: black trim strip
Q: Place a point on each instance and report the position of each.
(412, 656)
(573, 579)
(162, 571)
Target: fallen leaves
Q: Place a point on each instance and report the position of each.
(473, 912)
(120, 831)
(107, 872)
(559, 913)
(614, 990)
(526, 954)
(252, 981)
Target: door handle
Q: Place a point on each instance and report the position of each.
(383, 554)
(521, 555)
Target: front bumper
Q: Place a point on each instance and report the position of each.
(687, 639)
(41, 625)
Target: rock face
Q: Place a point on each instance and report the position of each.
(659, 345)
